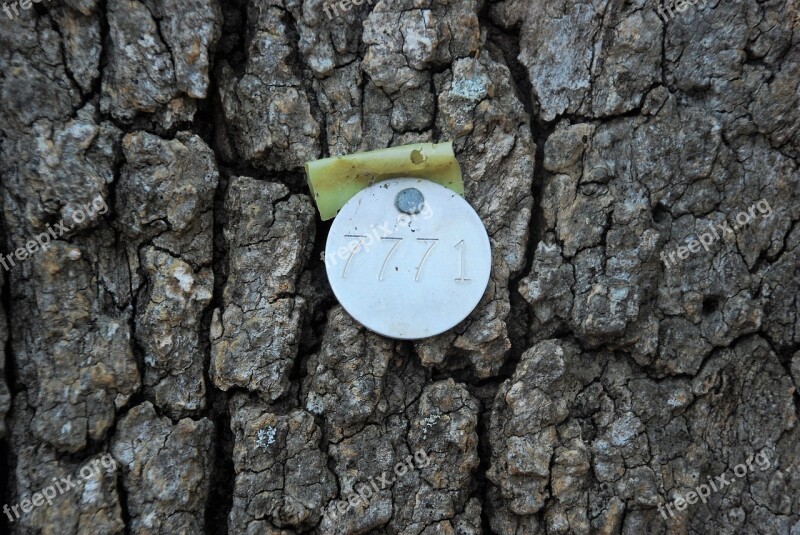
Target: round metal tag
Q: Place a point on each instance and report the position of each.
(408, 258)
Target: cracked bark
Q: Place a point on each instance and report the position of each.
(188, 329)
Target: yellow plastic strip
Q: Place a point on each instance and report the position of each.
(334, 181)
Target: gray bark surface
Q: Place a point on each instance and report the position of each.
(188, 330)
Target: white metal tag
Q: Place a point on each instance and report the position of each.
(408, 258)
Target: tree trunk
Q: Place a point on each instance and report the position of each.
(175, 360)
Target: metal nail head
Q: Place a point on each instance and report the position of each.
(409, 201)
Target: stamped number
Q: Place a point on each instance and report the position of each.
(388, 256)
(425, 256)
(460, 278)
(352, 252)
(397, 241)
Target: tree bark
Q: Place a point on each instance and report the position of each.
(174, 360)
